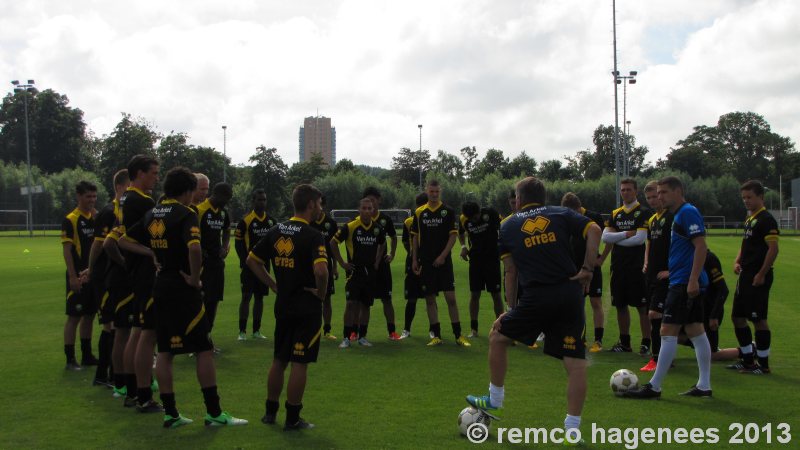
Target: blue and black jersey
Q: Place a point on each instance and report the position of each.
(687, 224)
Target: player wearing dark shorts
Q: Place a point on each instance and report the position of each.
(435, 227)
(171, 232)
(754, 266)
(383, 284)
(297, 253)
(536, 250)
(595, 292)
(412, 284)
(480, 227)
(249, 231)
(364, 240)
(659, 229)
(215, 229)
(688, 283)
(625, 236)
(327, 226)
(77, 235)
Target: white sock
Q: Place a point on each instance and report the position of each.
(571, 423)
(763, 353)
(669, 347)
(702, 351)
(747, 349)
(496, 395)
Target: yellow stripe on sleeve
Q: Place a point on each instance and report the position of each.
(253, 255)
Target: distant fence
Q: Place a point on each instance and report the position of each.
(346, 215)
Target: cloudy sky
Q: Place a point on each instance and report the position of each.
(513, 75)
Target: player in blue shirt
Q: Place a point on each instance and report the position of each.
(687, 285)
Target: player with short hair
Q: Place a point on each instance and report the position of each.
(625, 236)
(383, 286)
(170, 232)
(412, 283)
(297, 252)
(536, 250)
(364, 239)
(77, 234)
(215, 232)
(200, 194)
(656, 267)
(434, 230)
(688, 282)
(249, 231)
(327, 226)
(754, 264)
(572, 201)
(99, 273)
(481, 227)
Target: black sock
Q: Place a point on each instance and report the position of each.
(211, 399)
(292, 413)
(646, 342)
(713, 340)
(473, 324)
(655, 335)
(411, 311)
(390, 326)
(362, 331)
(244, 312)
(763, 341)
(326, 328)
(104, 352)
(625, 340)
(598, 334)
(119, 380)
(168, 400)
(346, 330)
(456, 329)
(436, 328)
(130, 382)
(69, 351)
(271, 407)
(143, 395)
(111, 372)
(86, 348)
(258, 311)
(745, 338)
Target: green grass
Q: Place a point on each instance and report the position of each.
(394, 395)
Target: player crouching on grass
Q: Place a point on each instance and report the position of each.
(171, 232)
(297, 252)
(535, 247)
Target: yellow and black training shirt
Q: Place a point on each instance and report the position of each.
(760, 228)
(433, 226)
(77, 229)
(249, 231)
(212, 223)
(624, 219)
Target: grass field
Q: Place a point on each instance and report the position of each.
(393, 395)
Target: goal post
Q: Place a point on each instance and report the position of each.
(14, 220)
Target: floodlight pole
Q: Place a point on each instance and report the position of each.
(224, 152)
(25, 88)
(420, 156)
(616, 106)
(626, 80)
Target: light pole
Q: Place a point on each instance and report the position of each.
(615, 73)
(627, 147)
(625, 80)
(420, 156)
(224, 152)
(25, 89)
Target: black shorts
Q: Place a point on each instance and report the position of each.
(147, 314)
(383, 282)
(331, 285)
(657, 294)
(360, 288)
(297, 338)
(749, 301)
(412, 286)
(80, 303)
(679, 309)
(124, 307)
(596, 285)
(484, 274)
(213, 279)
(143, 298)
(102, 298)
(557, 311)
(437, 279)
(181, 324)
(250, 284)
(628, 288)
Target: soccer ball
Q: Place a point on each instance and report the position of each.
(470, 415)
(623, 380)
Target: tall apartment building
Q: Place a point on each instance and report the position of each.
(317, 136)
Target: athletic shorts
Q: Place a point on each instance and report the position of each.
(679, 309)
(297, 338)
(80, 303)
(555, 310)
(657, 294)
(412, 286)
(125, 314)
(213, 279)
(181, 324)
(383, 282)
(102, 298)
(596, 285)
(360, 288)
(147, 314)
(331, 286)
(750, 301)
(484, 274)
(628, 289)
(250, 284)
(143, 298)
(437, 279)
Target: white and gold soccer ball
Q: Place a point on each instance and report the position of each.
(470, 415)
(623, 380)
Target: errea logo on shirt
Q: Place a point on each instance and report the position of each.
(694, 228)
(539, 224)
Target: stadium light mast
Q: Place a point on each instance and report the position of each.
(625, 80)
(615, 73)
(26, 88)
(224, 152)
(420, 155)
